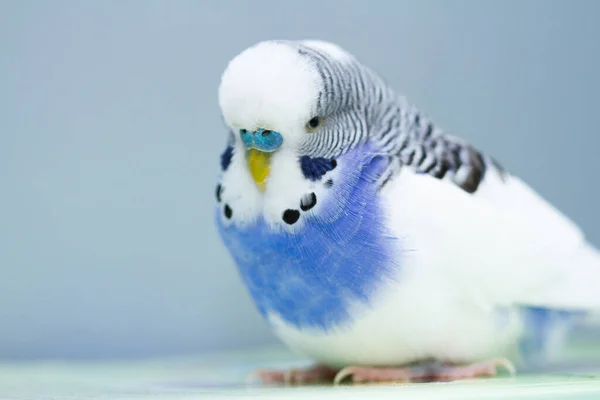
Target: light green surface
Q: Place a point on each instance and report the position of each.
(225, 375)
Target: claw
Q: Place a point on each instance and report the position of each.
(288, 376)
(503, 362)
(360, 374)
(343, 374)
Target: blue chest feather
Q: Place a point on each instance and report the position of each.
(310, 277)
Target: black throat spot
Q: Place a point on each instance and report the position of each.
(314, 168)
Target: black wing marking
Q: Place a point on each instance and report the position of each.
(442, 155)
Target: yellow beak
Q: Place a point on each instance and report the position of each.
(258, 164)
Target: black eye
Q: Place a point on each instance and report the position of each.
(243, 131)
(314, 123)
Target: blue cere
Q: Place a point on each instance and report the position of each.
(261, 139)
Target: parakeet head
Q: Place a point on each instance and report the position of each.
(294, 110)
(307, 98)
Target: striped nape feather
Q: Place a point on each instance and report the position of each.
(368, 109)
(412, 140)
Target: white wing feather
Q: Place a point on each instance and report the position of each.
(503, 245)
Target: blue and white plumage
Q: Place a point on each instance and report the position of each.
(369, 237)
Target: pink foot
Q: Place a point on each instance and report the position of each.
(313, 374)
(430, 373)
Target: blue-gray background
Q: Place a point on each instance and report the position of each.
(110, 134)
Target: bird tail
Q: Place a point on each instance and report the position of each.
(579, 288)
(563, 324)
(557, 338)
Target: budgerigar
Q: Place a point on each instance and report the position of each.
(376, 244)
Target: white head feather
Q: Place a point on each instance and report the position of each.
(270, 86)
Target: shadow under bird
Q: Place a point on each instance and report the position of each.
(378, 245)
